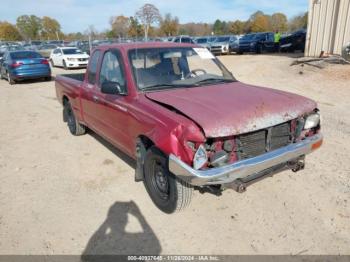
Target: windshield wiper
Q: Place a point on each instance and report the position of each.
(161, 86)
(213, 80)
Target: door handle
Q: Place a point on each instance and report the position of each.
(95, 99)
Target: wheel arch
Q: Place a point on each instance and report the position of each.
(143, 143)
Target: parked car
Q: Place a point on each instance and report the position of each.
(46, 49)
(234, 46)
(22, 65)
(55, 42)
(257, 43)
(203, 41)
(68, 57)
(183, 39)
(346, 52)
(221, 45)
(293, 42)
(187, 122)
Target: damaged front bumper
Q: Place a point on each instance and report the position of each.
(244, 168)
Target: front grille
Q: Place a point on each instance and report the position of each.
(262, 141)
(216, 48)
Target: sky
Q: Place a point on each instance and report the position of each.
(77, 15)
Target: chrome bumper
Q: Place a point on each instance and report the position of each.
(244, 168)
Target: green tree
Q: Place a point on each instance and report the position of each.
(120, 26)
(298, 22)
(9, 32)
(135, 29)
(260, 23)
(279, 22)
(29, 26)
(51, 28)
(169, 26)
(236, 27)
(218, 27)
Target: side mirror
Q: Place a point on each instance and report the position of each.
(111, 88)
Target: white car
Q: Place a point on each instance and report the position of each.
(68, 57)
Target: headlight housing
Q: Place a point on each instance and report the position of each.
(312, 120)
(200, 158)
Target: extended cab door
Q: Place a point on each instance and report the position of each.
(116, 112)
(92, 107)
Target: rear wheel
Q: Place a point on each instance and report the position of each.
(167, 192)
(259, 49)
(74, 126)
(10, 79)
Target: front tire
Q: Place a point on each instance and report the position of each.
(74, 126)
(167, 192)
(52, 63)
(64, 65)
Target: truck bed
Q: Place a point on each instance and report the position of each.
(76, 76)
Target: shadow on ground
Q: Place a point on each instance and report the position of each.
(111, 237)
(128, 160)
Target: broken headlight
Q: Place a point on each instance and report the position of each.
(312, 121)
(200, 158)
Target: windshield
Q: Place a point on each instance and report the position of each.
(202, 40)
(248, 37)
(222, 39)
(260, 36)
(175, 67)
(48, 47)
(25, 55)
(71, 51)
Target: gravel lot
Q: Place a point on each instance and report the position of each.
(61, 194)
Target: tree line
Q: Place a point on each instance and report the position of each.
(31, 27)
(148, 22)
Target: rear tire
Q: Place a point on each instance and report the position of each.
(49, 78)
(74, 126)
(167, 192)
(10, 79)
(259, 49)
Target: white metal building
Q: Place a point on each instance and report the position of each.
(328, 26)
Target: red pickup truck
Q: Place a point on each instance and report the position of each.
(185, 119)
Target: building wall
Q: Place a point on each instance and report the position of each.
(328, 26)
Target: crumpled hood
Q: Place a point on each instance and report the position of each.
(235, 108)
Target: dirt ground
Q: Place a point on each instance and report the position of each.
(61, 194)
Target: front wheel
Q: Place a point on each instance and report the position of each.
(74, 126)
(167, 192)
(64, 65)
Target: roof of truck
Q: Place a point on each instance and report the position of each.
(141, 45)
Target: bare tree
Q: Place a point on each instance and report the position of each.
(148, 15)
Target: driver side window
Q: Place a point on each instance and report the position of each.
(111, 70)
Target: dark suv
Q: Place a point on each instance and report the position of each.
(293, 42)
(257, 43)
